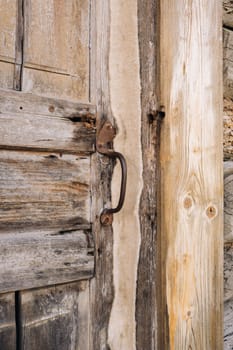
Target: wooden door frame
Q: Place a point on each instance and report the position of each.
(191, 175)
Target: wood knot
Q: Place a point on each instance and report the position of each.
(188, 202)
(51, 109)
(211, 212)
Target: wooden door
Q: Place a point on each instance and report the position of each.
(54, 256)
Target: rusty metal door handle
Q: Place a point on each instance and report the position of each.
(104, 146)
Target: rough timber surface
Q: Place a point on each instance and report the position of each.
(147, 277)
(55, 318)
(7, 322)
(228, 296)
(43, 190)
(228, 201)
(31, 122)
(40, 258)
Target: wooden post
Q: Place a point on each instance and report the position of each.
(191, 174)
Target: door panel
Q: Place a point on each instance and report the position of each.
(7, 322)
(56, 48)
(52, 182)
(55, 318)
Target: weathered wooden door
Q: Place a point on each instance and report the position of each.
(53, 184)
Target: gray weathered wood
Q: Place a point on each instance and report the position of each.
(228, 62)
(39, 258)
(228, 297)
(55, 318)
(228, 201)
(43, 190)
(228, 276)
(228, 325)
(28, 121)
(102, 290)
(147, 278)
(7, 322)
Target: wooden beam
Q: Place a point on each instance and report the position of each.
(191, 170)
(148, 37)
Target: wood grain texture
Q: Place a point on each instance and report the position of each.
(8, 22)
(191, 164)
(56, 48)
(29, 121)
(7, 75)
(39, 258)
(40, 190)
(55, 318)
(7, 322)
(101, 287)
(147, 279)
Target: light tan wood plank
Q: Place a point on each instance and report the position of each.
(41, 190)
(191, 166)
(28, 121)
(44, 257)
(8, 21)
(7, 75)
(56, 318)
(7, 322)
(57, 40)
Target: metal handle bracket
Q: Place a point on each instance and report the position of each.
(105, 147)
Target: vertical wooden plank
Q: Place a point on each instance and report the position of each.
(147, 279)
(192, 185)
(55, 318)
(7, 322)
(101, 287)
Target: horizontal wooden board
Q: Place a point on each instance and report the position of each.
(40, 258)
(56, 318)
(43, 190)
(29, 121)
(7, 322)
